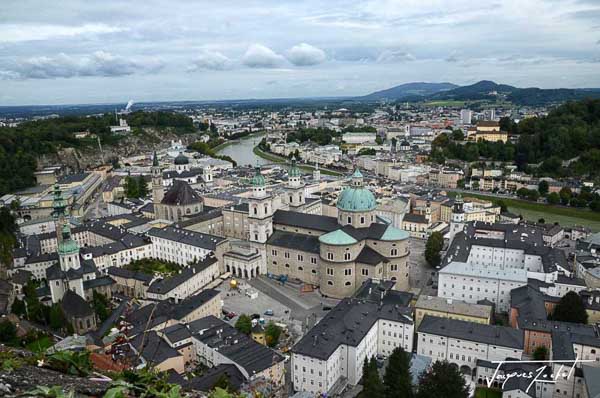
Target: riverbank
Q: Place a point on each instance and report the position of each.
(227, 143)
(533, 211)
(280, 159)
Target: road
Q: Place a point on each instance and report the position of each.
(97, 208)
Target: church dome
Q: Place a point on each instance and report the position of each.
(181, 159)
(258, 180)
(356, 197)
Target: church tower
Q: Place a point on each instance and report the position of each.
(317, 173)
(157, 186)
(295, 188)
(457, 223)
(260, 208)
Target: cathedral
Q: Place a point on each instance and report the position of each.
(336, 254)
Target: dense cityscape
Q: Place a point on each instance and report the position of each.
(422, 240)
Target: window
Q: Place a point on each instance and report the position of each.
(394, 252)
(365, 272)
(330, 271)
(300, 269)
(362, 220)
(300, 257)
(274, 252)
(313, 260)
(349, 220)
(348, 283)
(346, 256)
(330, 283)
(394, 267)
(348, 271)
(329, 256)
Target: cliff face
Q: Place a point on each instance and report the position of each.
(139, 141)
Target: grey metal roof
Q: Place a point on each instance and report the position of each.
(236, 346)
(347, 324)
(294, 241)
(181, 194)
(184, 236)
(488, 334)
(308, 221)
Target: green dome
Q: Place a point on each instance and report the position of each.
(68, 247)
(258, 180)
(356, 199)
(294, 170)
(392, 233)
(338, 238)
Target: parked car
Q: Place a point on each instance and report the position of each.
(269, 312)
(255, 316)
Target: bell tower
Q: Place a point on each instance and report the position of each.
(157, 185)
(260, 208)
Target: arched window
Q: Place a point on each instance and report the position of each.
(348, 283)
(330, 283)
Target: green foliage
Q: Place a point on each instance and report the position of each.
(50, 392)
(442, 380)
(565, 195)
(8, 332)
(222, 382)
(366, 129)
(553, 198)
(458, 135)
(152, 266)
(272, 333)
(367, 151)
(543, 187)
(181, 123)
(540, 353)
(570, 308)
(75, 363)
(434, 245)
(101, 306)
(145, 383)
(320, 135)
(529, 194)
(8, 228)
(244, 324)
(397, 379)
(378, 140)
(135, 187)
(18, 307)
(372, 385)
(57, 320)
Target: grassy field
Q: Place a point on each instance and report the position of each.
(280, 159)
(565, 216)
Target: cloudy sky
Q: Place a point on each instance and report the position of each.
(92, 51)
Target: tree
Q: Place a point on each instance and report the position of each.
(458, 135)
(442, 380)
(565, 195)
(503, 206)
(543, 187)
(540, 353)
(18, 307)
(8, 332)
(372, 386)
(570, 308)
(397, 379)
(553, 198)
(101, 306)
(378, 140)
(434, 245)
(131, 187)
(142, 187)
(244, 324)
(272, 333)
(57, 317)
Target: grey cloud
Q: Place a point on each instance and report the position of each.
(99, 63)
(394, 56)
(211, 60)
(259, 56)
(304, 54)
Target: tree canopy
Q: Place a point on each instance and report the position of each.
(442, 380)
(433, 247)
(397, 379)
(570, 308)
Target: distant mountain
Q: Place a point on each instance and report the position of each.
(489, 90)
(409, 91)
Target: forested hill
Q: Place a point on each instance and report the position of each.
(569, 131)
(21, 146)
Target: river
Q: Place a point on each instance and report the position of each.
(241, 151)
